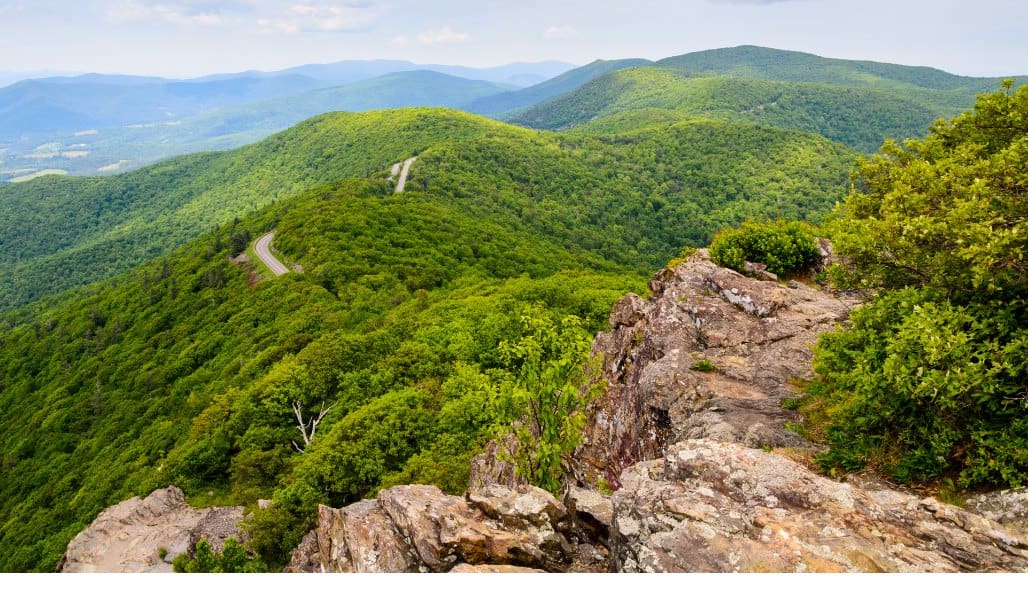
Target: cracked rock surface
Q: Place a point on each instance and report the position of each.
(418, 528)
(711, 354)
(721, 507)
(130, 536)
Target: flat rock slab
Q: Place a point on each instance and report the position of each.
(130, 536)
(711, 506)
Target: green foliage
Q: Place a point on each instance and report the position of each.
(637, 199)
(630, 99)
(785, 65)
(543, 405)
(155, 378)
(704, 366)
(276, 531)
(109, 224)
(786, 247)
(184, 370)
(508, 102)
(233, 558)
(930, 380)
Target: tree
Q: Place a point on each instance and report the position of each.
(542, 406)
(931, 380)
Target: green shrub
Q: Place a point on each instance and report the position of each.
(931, 379)
(232, 559)
(785, 247)
(920, 387)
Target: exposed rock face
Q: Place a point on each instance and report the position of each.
(696, 378)
(306, 557)
(721, 507)
(1007, 507)
(487, 468)
(711, 355)
(415, 528)
(129, 537)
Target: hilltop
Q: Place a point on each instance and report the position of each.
(663, 179)
(857, 103)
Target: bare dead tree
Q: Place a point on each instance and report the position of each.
(310, 426)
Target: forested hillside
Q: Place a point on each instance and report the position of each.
(183, 371)
(506, 102)
(857, 103)
(859, 118)
(784, 65)
(110, 224)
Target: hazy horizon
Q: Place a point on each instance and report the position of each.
(189, 38)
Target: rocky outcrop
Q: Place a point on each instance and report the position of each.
(487, 468)
(711, 354)
(418, 528)
(721, 507)
(1007, 507)
(146, 534)
(692, 433)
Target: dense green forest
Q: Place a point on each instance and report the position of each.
(500, 104)
(110, 224)
(785, 65)
(859, 118)
(181, 371)
(138, 352)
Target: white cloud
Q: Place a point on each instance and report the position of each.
(181, 12)
(559, 32)
(8, 8)
(401, 40)
(320, 17)
(445, 35)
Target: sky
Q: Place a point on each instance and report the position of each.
(185, 38)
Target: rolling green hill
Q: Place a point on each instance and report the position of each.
(108, 224)
(183, 370)
(114, 149)
(113, 391)
(783, 65)
(857, 103)
(113, 223)
(500, 104)
(859, 118)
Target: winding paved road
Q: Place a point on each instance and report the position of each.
(403, 174)
(263, 250)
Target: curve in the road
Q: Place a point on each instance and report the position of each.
(403, 173)
(263, 250)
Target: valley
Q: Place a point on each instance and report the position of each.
(411, 258)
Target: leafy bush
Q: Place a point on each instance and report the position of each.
(232, 559)
(543, 405)
(786, 247)
(932, 377)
